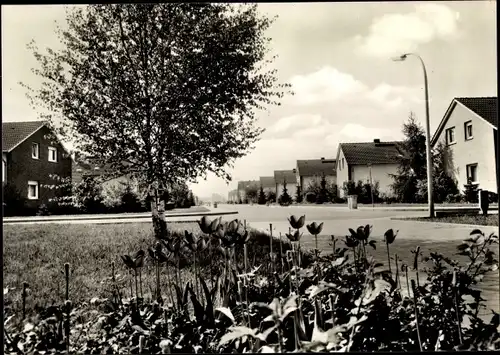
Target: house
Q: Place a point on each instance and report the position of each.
(287, 177)
(243, 185)
(469, 128)
(314, 169)
(90, 167)
(31, 153)
(268, 184)
(232, 196)
(360, 161)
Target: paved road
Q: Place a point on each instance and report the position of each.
(338, 220)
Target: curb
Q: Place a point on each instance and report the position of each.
(445, 223)
(116, 219)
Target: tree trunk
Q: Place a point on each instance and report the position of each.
(158, 215)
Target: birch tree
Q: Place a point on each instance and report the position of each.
(164, 93)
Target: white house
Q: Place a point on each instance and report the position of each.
(313, 169)
(268, 184)
(469, 128)
(282, 177)
(361, 161)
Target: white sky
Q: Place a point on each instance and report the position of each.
(337, 58)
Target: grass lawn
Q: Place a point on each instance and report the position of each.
(37, 254)
(480, 220)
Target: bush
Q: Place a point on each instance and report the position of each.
(271, 196)
(457, 198)
(310, 197)
(262, 197)
(349, 188)
(493, 197)
(471, 192)
(14, 204)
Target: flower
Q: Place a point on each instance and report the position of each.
(389, 236)
(314, 228)
(351, 241)
(136, 262)
(295, 237)
(297, 223)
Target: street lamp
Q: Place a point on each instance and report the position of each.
(428, 132)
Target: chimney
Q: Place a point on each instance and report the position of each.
(376, 140)
(322, 158)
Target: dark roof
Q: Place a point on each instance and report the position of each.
(288, 175)
(267, 181)
(317, 167)
(371, 152)
(14, 133)
(486, 107)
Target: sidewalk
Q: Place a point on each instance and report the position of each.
(116, 218)
(395, 207)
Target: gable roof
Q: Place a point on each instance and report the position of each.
(318, 167)
(372, 153)
(483, 107)
(14, 133)
(285, 175)
(267, 181)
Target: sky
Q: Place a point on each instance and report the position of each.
(337, 58)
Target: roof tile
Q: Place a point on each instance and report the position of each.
(372, 153)
(486, 107)
(317, 167)
(14, 133)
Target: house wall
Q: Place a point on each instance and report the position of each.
(22, 167)
(342, 174)
(380, 173)
(480, 149)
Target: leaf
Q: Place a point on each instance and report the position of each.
(140, 330)
(227, 312)
(477, 231)
(236, 333)
(263, 336)
(209, 309)
(266, 349)
(28, 327)
(199, 310)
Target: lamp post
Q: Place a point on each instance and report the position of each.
(428, 133)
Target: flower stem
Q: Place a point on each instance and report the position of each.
(416, 313)
(388, 258)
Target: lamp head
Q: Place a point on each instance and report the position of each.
(400, 58)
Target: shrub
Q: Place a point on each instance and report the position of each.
(493, 197)
(262, 197)
(471, 192)
(311, 197)
(349, 188)
(285, 199)
(457, 198)
(271, 196)
(298, 194)
(14, 204)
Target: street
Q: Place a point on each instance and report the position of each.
(338, 220)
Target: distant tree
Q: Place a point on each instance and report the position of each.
(412, 162)
(314, 187)
(271, 196)
(164, 92)
(322, 196)
(298, 194)
(262, 196)
(251, 193)
(349, 188)
(333, 193)
(285, 198)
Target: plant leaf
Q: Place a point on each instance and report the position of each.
(236, 333)
(227, 312)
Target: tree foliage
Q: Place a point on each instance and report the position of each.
(165, 92)
(262, 196)
(285, 198)
(412, 162)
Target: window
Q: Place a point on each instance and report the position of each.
(343, 163)
(450, 135)
(472, 173)
(53, 154)
(33, 190)
(35, 150)
(468, 130)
